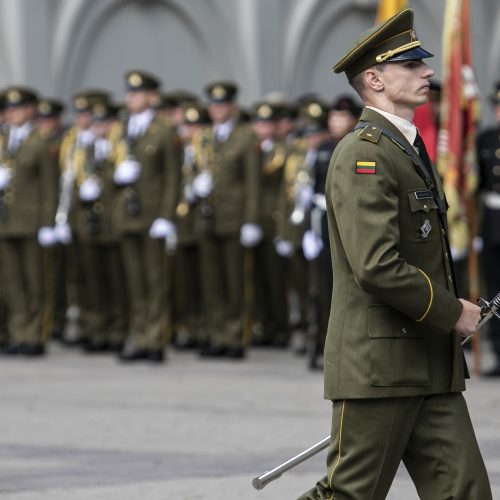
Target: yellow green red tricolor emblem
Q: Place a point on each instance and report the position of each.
(366, 167)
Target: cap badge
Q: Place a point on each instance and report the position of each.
(314, 110)
(135, 80)
(44, 108)
(81, 103)
(14, 96)
(413, 36)
(192, 115)
(218, 92)
(264, 111)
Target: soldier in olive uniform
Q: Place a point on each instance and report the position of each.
(488, 152)
(50, 124)
(271, 308)
(170, 105)
(3, 310)
(147, 174)
(228, 188)
(103, 288)
(315, 243)
(294, 201)
(194, 127)
(394, 366)
(77, 145)
(27, 207)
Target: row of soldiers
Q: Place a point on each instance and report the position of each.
(165, 218)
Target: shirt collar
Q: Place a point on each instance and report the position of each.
(407, 128)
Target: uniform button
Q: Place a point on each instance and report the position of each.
(497, 152)
(496, 170)
(425, 206)
(446, 254)
(449, 277)
(404, 330)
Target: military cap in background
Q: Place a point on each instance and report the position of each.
(393, 40)
(105, 110)
(194, 113)
(287, 109)
(221, 91)
(48, 108)
(265, 111)
(347, 103)
(85, 99)
(314, 117)
(19, 96)
(140, 80)
(175, 98)
(495, 96)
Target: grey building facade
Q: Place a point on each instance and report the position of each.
(61, 46)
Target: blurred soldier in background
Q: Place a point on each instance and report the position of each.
(147, 172)
(195, 127)
(169, 105)
(228, 187)
(271, 309)
(28, 187)
(50, 124)
(103, 290)
(76, 145)
(315, 243)
(488, 150)
(3, 309)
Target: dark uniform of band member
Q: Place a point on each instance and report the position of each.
(27, 208)
(147, 173)
(228, 189)
(316, 247)
(270, 299)
(488, 152)
(394, 366)
(194, 128)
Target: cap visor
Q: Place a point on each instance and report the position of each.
(416, 53)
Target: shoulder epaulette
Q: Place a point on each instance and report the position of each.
(370, 133)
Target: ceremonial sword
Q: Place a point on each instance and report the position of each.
(488, 310)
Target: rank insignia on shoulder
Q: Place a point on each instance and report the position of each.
(366, 167)
(370, 133)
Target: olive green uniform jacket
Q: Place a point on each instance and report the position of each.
(393, 306)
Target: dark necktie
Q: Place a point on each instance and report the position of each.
(422, 152)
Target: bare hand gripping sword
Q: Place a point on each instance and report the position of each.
(488, 311)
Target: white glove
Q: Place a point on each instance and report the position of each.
(162, 228)
(311, 245)
(5, 176)
(284, 248)
(46, 237)
(62, 233)
(250, 235)
(203, 184)
(127, 172)
(90, 189)
(305, 195)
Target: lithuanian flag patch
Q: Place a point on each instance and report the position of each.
(366, 167)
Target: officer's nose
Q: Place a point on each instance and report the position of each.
(428, 71)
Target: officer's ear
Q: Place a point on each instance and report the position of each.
(372, 79)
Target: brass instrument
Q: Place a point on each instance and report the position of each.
(205, 159)
(303, 180)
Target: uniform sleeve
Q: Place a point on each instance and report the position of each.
(366, 211)
(252, 180)
(171, 178)
(49, 174)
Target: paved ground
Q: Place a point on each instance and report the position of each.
(80, 427)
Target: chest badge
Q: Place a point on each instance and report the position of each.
(425, 228)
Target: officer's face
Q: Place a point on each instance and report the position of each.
(221, 112)
(264, 129)
(406, 83)
(137, 101)
(18, 115)
(340, 122)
